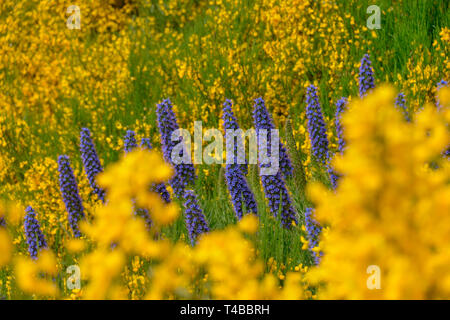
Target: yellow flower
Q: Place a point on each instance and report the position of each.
(28, 274)
(249, 224)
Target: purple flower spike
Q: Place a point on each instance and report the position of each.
(70, 194)
(366, 79)
(263, 121)
(316, 126)
(194, 217)
(167, 123)
(91, 162)
(33, 233)
(235, 172)
(274, 185)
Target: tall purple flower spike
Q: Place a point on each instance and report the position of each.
(194, 217)
(366, 79)
(71, 197)
(313, 229)
(273, 185)
(234, 174)
(33, 233)
(167, 123)
(91, 162)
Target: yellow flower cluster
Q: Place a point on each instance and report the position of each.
(391, 207)
(223, 264)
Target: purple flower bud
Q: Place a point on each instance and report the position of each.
(167, 123)
(316, 126)
(274, 185)
(341, 105)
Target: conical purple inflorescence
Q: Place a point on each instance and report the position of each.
(194, 217)
(263, 121)
(70, 194)
(341, 105)
(316, 126)
(234, 174)
(366, 79)
(167, 123)
(313, 229)
(91, 162)
(33, 233)
(273, 185)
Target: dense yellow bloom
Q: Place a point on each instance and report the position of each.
(11, 212)
(29, 278)
(230, 269)
(388, 211)
(249, 224)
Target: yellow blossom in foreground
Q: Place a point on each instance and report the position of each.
(11, 212)
(444, 96)
(75, 245)
(5, 247)
(389, 234)
(101, 267)
(249, 224)
(134, 173)
(28, 274)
